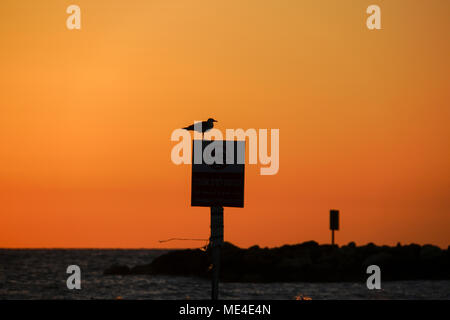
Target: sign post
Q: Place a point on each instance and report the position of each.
(334, 223)
(216, 241)
(217, 184)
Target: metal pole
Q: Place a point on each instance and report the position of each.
(216, 241)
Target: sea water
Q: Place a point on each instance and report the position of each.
(41, 274)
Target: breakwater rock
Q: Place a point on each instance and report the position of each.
(305, 262)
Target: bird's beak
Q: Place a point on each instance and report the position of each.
(215, 121)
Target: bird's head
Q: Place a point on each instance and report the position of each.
(212, 120)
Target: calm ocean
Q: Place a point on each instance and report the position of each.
(41, 274)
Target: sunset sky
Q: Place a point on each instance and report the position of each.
(86, 118)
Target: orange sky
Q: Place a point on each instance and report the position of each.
(86, 118)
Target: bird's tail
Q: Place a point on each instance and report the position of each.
(188, 128)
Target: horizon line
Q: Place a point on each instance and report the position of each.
(187, 248)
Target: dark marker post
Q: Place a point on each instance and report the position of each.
(334, 223)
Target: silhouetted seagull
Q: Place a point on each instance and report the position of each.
(206, 126)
